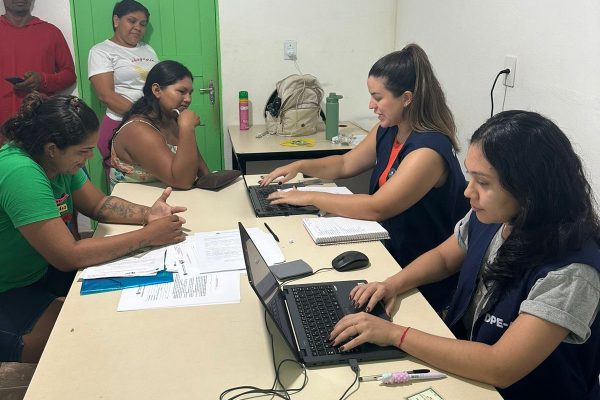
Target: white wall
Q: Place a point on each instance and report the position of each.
(556, 45)
(558, 68)
(58, 13)
(337, 42)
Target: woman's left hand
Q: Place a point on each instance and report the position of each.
(160, 208)
(363, 327)
(294, 197)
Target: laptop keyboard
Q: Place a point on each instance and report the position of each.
(319, 312)
(263, 192)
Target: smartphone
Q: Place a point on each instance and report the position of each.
(14, 79)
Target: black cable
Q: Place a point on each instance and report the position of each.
(354, 366)
(504, 71)
(283, 282)
(273, 392)
(282, 393)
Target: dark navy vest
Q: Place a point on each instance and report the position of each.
(431, 220)
(571, 371)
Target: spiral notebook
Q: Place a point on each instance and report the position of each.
(333, 230)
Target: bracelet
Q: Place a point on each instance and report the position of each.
(402, 337)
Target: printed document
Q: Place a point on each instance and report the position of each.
(184, 291)
(200, 253)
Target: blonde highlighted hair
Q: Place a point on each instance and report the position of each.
(409, 69)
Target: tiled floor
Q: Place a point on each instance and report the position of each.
(14, 379)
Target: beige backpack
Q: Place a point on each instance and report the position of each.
(294, 108)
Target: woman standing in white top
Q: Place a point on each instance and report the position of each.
(117, 68)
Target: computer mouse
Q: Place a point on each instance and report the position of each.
(349, 260)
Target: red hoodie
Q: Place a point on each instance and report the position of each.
(38, 46)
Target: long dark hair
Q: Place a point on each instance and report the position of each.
(127, 7)
(536, 163)
(163, 74)
(62, 120)
(409, 69)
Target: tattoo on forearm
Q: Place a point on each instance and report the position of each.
(115, 209)
(131, 249)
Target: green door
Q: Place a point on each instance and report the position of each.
(182, 30)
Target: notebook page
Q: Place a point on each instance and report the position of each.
(341, 230)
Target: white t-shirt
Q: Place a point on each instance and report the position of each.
(129, 65)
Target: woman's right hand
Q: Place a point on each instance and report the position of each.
(287, 172)
(188, 119)
(367, 296)
(165, 230)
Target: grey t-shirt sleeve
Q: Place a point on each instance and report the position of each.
(461, 230)
(568, 297)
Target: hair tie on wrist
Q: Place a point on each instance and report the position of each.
(402, 337)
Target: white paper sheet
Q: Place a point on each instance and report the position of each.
(184, 291)
(267, 246)
(324, 189)
(200, 253)
(219, 251)
(143, 264)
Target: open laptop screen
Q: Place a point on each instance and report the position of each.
(264, 283)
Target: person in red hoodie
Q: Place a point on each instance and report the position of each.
(34, 51)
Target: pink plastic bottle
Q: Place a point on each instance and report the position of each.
(244, 111)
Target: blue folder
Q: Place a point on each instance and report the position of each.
(100, 285)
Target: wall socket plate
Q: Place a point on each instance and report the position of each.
(290, 50)
(510, 62)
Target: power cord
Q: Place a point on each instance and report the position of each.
(282, 393)
(305, 276)
(354, 366)
(504, 71)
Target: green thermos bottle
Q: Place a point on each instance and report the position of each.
(332, 115)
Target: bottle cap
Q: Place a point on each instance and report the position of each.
(333, 98)
(243, 94)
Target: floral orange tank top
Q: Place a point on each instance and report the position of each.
(120, 171)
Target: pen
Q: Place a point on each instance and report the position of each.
(272, 233)
(369, 378)
(404, 376)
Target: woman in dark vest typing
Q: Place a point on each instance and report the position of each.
(526, 306)
(416, 184)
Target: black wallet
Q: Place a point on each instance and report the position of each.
(217, 180)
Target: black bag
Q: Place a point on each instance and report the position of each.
(217, 180)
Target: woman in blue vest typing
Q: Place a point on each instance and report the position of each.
(416, 184)
(526, 306)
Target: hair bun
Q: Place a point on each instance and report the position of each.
(30, 104)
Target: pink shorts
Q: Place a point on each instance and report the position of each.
(106, 131)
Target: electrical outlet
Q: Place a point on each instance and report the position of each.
(510, 62)
(290, 50)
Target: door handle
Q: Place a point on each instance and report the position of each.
(210, 90)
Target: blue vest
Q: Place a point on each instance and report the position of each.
(571, 370)
(431, 220)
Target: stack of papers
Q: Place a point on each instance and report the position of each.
(145, 264)
(205, 270)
